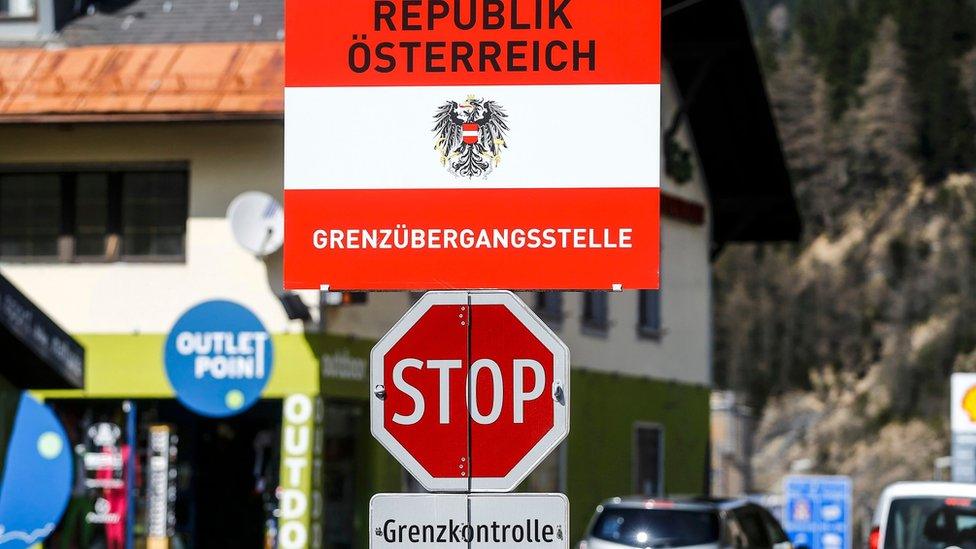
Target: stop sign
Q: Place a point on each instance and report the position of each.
(471, 391)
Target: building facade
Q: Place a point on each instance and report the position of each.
(123, 149)
(651, 354)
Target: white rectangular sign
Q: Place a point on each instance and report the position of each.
(460, 521)
(313, 144)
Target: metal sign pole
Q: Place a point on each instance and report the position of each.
(130, 481)
(484, 355)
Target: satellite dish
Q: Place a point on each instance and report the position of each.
(258, 222)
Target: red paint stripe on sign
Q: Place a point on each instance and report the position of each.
(520, 239)
(357, 43)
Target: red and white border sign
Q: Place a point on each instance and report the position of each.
(472, 144)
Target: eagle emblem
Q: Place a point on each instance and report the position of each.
(470, 136)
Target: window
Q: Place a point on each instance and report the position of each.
(550, 475)
(93, 214)
(30, 215)
(596, 310)
(929, 523)
(153, 214)
(17, 9)
(649, 322)
(410, 485)
(648, 460)
(341, 428)
(549, 306)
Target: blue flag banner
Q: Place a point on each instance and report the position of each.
(37, 476)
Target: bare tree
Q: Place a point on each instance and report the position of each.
(883, 128)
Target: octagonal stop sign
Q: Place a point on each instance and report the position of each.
(471, 391)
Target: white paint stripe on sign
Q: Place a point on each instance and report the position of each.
(559, 136)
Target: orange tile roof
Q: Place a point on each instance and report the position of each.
(143, 82)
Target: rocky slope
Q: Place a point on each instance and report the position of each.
(886, 309)
(845, 341)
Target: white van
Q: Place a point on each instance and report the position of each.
(925, 515)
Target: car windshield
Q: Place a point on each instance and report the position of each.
(931, 523)
(656, 527)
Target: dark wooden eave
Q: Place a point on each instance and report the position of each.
(708, 45)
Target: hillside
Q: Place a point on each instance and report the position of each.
(845, 341)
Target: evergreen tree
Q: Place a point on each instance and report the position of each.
(935, 35)
(839, 34)
(883, 126)
(813, 146)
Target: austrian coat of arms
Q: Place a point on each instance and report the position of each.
(470, 136)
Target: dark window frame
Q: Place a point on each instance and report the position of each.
(645, 328)
(592, 321)
(638, 426)
(32, 18)
(68, 174)
(545, 308)
(56, 225)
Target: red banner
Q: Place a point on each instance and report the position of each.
(469, 42)
(519, 239)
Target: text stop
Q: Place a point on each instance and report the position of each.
(520, 391)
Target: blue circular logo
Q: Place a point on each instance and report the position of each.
(218, 358)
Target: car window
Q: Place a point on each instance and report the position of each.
(638, 527)
(752, 529)
(931, 523)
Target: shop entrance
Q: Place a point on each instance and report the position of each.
(226, 472)
(345, 434)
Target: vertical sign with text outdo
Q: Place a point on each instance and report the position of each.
(436, 144)
(297, 509)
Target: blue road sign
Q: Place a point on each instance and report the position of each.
(218, 358)
(817, 511)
